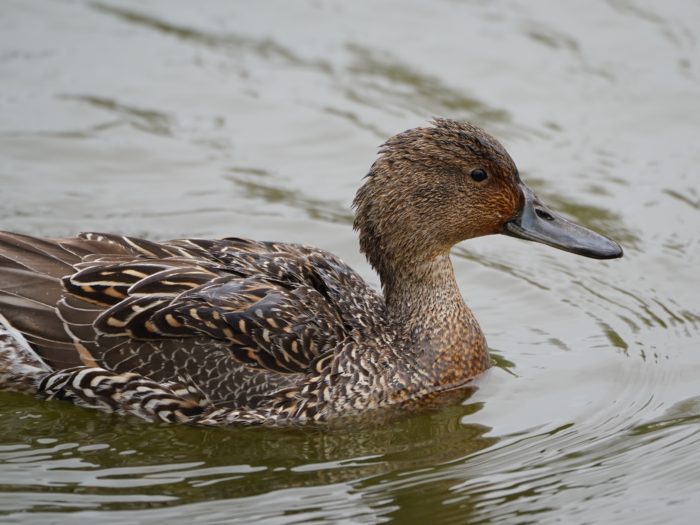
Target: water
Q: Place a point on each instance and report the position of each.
(167, 119)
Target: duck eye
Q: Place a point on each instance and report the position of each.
(478, 175)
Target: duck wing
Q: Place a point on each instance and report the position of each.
(221, 312)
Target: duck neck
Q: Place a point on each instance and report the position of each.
(425, 305)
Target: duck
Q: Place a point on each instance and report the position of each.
(235, 331)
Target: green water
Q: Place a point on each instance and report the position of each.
(258, 119)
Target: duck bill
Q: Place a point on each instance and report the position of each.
(536, 222)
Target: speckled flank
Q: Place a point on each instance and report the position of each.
(234, 331)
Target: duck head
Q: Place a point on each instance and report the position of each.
(433, 187)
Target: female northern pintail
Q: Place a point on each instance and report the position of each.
(234, 331)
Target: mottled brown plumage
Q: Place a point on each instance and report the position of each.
(237, 331)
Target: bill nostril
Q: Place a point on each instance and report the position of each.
(544, 214)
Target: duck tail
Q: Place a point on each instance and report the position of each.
(21, 368)
(31, 269)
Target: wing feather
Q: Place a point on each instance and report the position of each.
(258, 313)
